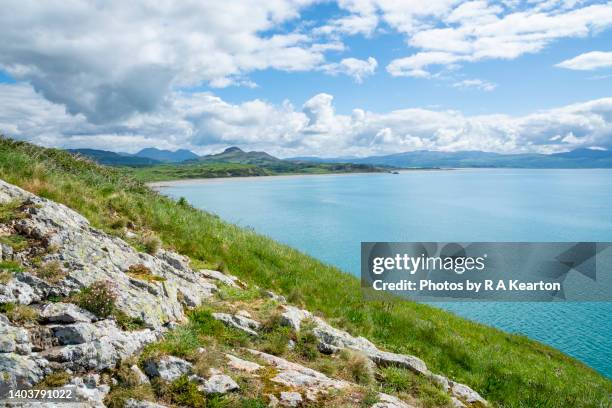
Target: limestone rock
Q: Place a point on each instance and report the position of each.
(132, 403)
(168, 368)
(138, 375)
(228, 280)
(389, 401)
(15, 291)
(111, 346)
(332, 340)
(66, 313)
(88, 388)
(466, 394)
(297, 376)
(239, 322)
(21, 371)
(219, 384)
(290, 398)
(77, 333)
(242, 365)
(14, 339)
(94, 256)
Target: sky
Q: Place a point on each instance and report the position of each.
(308, 77)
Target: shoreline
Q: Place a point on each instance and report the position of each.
(169, 183)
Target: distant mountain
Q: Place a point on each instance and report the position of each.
(239, 156)
(580, 158)
(167, 156)
(114, 159)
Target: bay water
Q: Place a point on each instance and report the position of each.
(328, 216)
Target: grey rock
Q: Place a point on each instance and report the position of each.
(332, 340)
(138, 375)
(466, 394)
(242, 365)
(132, 403)
(390, 401)
(65, 313)
(275, 297)
(89, 389)
(96, 256)
(456, 403)
(228, 280)
(14, 339)
(112, 346)
(297, 376)
(15, 291)
(167, 368)
(219, 384)
(239, 322)
(290, 398)
(21, 371)
(76, 333)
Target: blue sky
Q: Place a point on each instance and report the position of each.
(298, 77)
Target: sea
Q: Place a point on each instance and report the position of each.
(328, 216)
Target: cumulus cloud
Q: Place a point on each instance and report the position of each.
(475, 83)
(588, 61)
(109, 60)
(353, 67)
(447, 33)
(204, 122)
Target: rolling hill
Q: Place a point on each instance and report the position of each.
(580, 158)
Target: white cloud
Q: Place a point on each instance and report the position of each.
(475, 83)
(447, 33)
(588, 61)
(204, 122)
(353, 67)
(109, 60)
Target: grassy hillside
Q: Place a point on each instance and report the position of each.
(510, 370)
(231, 169)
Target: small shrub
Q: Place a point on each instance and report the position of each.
(16, 242)
(141, 272)
(397, 380)
(306, 345)
(369, 398)
(18, 313)
(184, 392)
(181, 342)
(327, 366)
(54, 380)
(276, 341)
(151, 244)
(51, 271)
(99, 299)
(8, 269)
(118, 395)
(10, 210)
(128, 323)
(359, 367)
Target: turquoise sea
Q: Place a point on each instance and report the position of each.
(328, 216)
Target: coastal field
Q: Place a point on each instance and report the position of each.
(509, 370)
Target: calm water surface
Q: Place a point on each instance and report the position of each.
(328, 216)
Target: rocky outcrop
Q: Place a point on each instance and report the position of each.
(167, 368)
(239, 321)
(89, 255)
(332, 340)
(66, 337)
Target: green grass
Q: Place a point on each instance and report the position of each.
(509, 370)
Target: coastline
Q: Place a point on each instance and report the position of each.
(169, 183)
